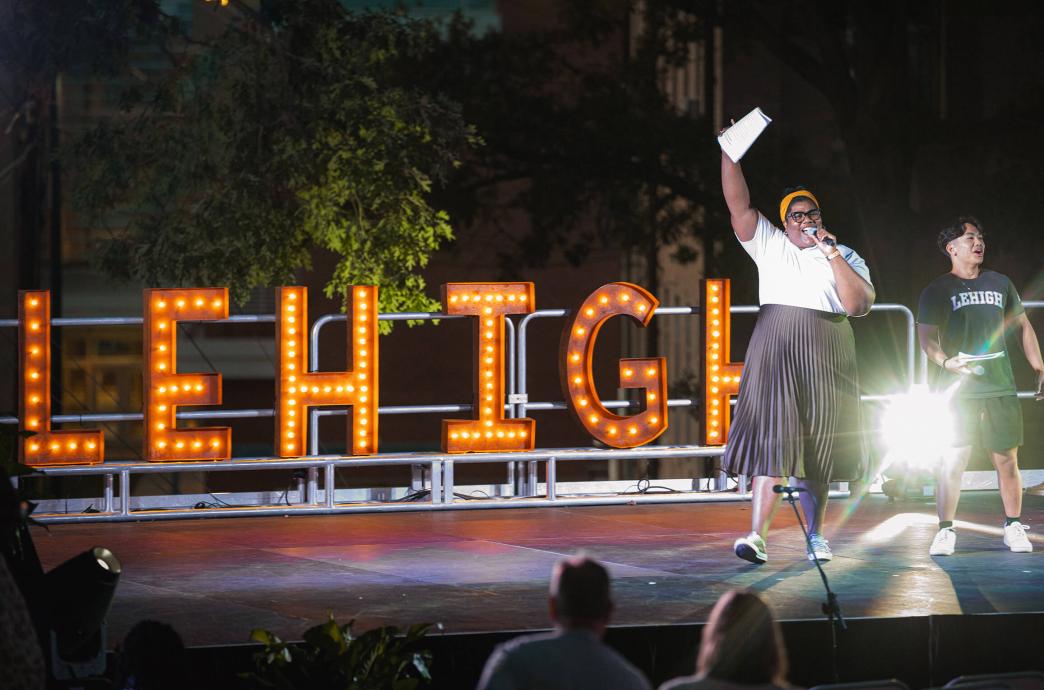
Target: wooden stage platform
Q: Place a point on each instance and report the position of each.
(486, 571)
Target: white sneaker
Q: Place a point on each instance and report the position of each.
(944, 543)
(820, 548)
(752, 548)
(1015, 538)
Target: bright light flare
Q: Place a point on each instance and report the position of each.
(917, 427)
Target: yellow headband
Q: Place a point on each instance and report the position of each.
(785, 204)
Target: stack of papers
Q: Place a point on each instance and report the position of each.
(738, 138)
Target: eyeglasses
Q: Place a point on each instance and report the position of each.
(798, 216)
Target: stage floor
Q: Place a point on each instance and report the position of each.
(487, 570)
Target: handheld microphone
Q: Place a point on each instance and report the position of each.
(812, 230)
(788, 490)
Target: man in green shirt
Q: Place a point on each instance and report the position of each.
(964, 314)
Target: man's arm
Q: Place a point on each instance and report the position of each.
(1031, 348)
(737, 197)
(929, 338)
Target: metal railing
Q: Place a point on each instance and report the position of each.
(438, 480)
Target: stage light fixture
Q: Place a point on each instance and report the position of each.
(918, 427)
(79, 593)
(577, 376)
(489, 303)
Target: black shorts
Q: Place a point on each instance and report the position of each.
(990, 423)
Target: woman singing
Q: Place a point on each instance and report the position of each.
(797, 414)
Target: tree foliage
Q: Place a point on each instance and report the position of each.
(296, 129)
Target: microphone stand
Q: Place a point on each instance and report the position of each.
(831, 607)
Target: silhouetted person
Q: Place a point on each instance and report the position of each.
(152, 657)
(21, 659)
(573, 656)
(741, 647)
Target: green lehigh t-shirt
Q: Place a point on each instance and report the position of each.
(971, 316)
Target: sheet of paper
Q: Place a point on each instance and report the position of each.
(979, 358)
(738, 138)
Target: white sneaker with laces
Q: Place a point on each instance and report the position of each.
(752, 548)
(944, 543)
(820, 548)
(1015, 538)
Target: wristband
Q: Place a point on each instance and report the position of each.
(943, 365)
(833, 255)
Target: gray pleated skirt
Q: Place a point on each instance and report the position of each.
(798, 414)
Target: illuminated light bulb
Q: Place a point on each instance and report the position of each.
(35, 399)
(511, 298)
(714, 300)
(197, 444)
(453, 300)
(464, 298)
(500, 297)
(361, 376)
(489, 422)
(650, 397)
(363, 317)
(361, 329)
(589, 311)
(715, 412)
(363, 398)
(199, 387)
(362, 353)
(654, 420)
(578, 380)
(522, 298)
(291, 330)
(716, 334)
(162, 389)
(625, 297)
(327, 389)
(186, 387)
(162, 325)
(180, 303)
(632, 430)
(289, 434)
(642, 307)
(489, 348)
(489, 397)
(363, 422)
(162, 408)
(54, 446)
(716, 323)
(34, 447)
(603, 299)
(364, 388)
(292, 295)
(291, 402)
(350, 388)
(628, 372)
(161, 444)
(162, 348)
(216, 304)
(34, 375)
(511, 434)
(33, 422)
(363, 364)
(489, 323)
(715, 312)
(612, 431)
(593, 418)
(489, 360)
(291, 413)
(291, 379)
(489, 298)
(91, 445)
(291, 366)
(215, 443)
(713, 434)
(291, 319)
(489, 434)
(575, 357)
(713, 287)
(476, 297)
(454, 434)
(489, 374)
(291, 308)
(488, 310)
(715, 378)
(522, 434)
(489, 384)
(162, 366)
(726, 379)
(582, 402)
(179, 445)
(315, 389)
(35, 325)
(289, 446)
(291, 424)
(34, 351)
(715, 367)
(161, 426)
(714, 389)
(465, 434)
(487, 410)
(33, 302)
(580, 330)
(651, 371)
(715, 402)
(161, 304)
(489, 334)
(199, 301)
(339, 389)
(292, 389)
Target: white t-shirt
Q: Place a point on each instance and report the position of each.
(797, 277)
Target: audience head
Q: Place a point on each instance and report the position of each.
(580, 594)
(742, 643)
(152, 657)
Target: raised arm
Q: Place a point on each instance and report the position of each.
(1031, 348)
(737, 197)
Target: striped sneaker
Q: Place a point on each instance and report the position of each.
(752, 548)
